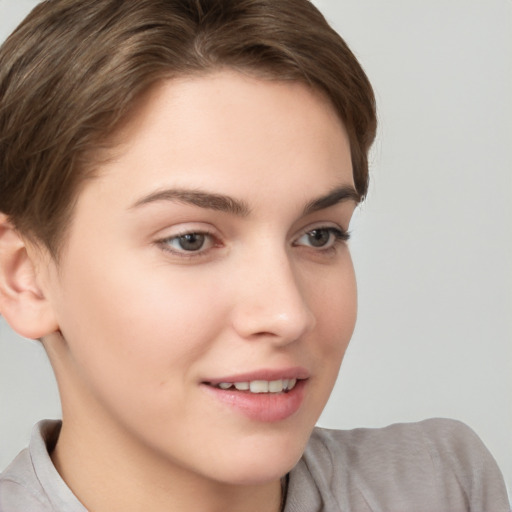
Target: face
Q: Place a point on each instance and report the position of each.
(206, 293)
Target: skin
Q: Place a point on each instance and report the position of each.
(143, 323)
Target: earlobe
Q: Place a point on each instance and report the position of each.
(22, 301)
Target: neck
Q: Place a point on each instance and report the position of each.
(114, 476)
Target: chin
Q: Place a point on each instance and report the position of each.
(262, 458)
(256, 472)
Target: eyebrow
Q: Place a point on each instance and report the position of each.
(338, 195)
(240, 208)
(205, 200)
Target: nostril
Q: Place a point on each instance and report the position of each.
(279, 328)
(271, 302)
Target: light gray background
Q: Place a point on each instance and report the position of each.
(432, 245)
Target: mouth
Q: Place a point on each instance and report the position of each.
(265, 395)
(258, 386)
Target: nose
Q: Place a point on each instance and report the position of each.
(271, 300)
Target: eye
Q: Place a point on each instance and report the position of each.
(189, 242)
(322, 238)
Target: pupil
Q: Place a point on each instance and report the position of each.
(191, 241)
(319, 237)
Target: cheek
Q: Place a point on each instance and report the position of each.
(134, 328)
(336, 313)
(334, 299)
(335, 302)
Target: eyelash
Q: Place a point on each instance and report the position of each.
(165, 244)
(340, 237)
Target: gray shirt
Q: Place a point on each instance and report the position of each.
(433, 466)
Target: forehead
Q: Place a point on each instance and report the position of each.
(210, 96)
(225, 130)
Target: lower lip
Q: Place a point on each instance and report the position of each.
(264, 407)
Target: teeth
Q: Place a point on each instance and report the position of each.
(258, 386)
(275, 386)
(261, 386)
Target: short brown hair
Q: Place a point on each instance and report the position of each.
(73, 70)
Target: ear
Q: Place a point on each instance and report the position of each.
(22, 301)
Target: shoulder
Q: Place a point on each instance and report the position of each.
(446, 444)
(445, 441)
(31, 483)
(434, 465)
(19, 489)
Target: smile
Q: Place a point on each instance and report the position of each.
(260, 386)
(258, 399)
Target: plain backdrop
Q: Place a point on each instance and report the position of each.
(432, 245)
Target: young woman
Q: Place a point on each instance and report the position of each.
(177, 182)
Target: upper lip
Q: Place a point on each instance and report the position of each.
(269, 374)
